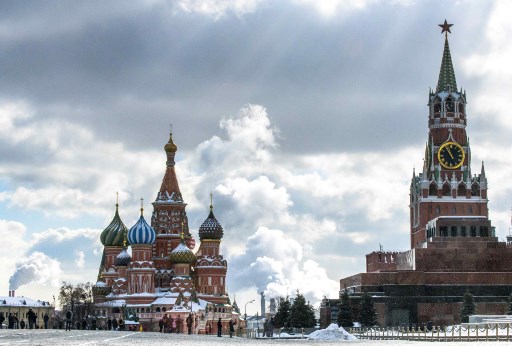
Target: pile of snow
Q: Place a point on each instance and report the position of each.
(333, 332)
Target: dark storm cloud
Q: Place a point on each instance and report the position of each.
(115, 67)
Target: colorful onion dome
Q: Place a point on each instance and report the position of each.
(123, 259)
(211, 228)
(181, 253)
(115, 233)
(141, 232)
(170, 147)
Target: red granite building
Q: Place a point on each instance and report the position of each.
(453, 245)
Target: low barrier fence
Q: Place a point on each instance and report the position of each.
(468, 332)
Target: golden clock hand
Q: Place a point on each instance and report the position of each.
(449, 152)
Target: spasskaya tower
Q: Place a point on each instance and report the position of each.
(446, 199)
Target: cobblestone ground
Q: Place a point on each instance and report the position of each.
(90, 337)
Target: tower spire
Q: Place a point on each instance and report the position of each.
(446, 80)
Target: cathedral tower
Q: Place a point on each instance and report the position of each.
(446, 200)
(168, 216)
(211, 267)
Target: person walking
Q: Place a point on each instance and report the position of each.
(68, 320)
(161, 324)
(109, 323)
(271, 327)
(22, 324)
(31, 317)
(219, 328)
(2, 319)
(114, 323)
(231, 328)
(46, 318)
(189, 324)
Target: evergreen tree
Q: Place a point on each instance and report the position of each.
(302, 314)
(468, 307)
(282, 317)
(367, 313)
(509, 312)
(344, 312)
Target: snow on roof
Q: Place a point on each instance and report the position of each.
(113, 303)
(164, 301)
(22, 301)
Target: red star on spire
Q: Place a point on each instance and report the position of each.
(446, 27)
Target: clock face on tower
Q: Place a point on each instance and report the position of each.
(451, 155)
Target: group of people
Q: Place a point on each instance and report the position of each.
(168, 324)
(14, 323)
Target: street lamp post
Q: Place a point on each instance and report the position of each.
(245, 315)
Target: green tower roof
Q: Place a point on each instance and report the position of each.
(446, 80)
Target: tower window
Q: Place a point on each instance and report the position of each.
(432, 190)
(444, 231)
(473, 231)
(463, 231)
(438, 210)
(484, 231)
(453, 231)
(475, 190)
(454, 211)
(449, 106)
(461, 191)
(470, 210)
(446, 189)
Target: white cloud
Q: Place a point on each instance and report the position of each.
(80, 259)
(38, 268)
(219, 8)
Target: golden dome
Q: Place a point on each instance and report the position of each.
(170, 146)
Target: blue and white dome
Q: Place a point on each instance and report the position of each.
(141, 232)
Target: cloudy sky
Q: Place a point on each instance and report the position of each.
(305, 118)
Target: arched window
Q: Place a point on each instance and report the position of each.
(447, 189)
(475, 190)
(461, 191)
(157, 309)
(461, 110)
(432, 190)
(449, 106)
(437, 107)
(164, 309)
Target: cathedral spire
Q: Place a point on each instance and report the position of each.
(169, 190)
(446, 80)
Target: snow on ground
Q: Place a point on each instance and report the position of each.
(333, 332)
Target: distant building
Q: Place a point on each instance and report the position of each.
(453, 244)
(163, 278)
(19, 307)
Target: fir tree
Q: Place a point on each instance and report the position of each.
(282, 317)
(302, 314)
(344, 312)
(468, 307)
(509, 312)
(367, 314)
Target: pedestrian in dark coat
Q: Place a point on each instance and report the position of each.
(109, 324)
(68, 320)
(189, 324)
(22, 324)
(231, 328)
(161, 324)
(114, 324)
(46, 318)
(219, 328)
(2, 319)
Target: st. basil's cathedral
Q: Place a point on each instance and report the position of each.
(163, 278)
